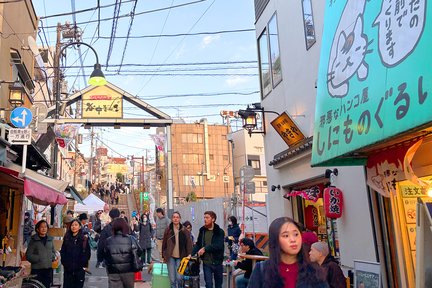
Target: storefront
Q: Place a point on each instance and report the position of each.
(373, 109)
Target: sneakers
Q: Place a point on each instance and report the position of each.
(100, 265)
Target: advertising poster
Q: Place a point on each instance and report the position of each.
(367, 274)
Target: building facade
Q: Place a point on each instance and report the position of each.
(201, 161)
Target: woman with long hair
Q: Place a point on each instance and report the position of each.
(75, 254)
(41, 253)
(119, 257)
(145, 230)
(289, 265)
(176, 244)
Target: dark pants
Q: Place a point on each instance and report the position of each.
(74, 279)
(123, 280)
(43, 275)
(213, 271)
(146, 256)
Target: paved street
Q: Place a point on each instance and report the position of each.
(99, 276)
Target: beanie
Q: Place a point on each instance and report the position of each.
(321, 247)
(114, 213)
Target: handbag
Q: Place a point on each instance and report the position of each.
(137, 264)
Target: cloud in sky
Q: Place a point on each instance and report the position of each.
(207, 40)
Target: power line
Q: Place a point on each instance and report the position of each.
(139, 13)
(128, 34)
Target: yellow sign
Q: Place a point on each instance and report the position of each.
(102, 102)
(116, 168)
(287, 129)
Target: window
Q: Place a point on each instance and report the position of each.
(191, 159)
(308, 22)
(192, 138)
(269, 57)
(274, 51)
(264, 64)
(254, 164)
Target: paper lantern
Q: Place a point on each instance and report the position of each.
(311, 217)
(333, 202)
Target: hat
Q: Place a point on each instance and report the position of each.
(67, 219)
(321, 247)
(82, 216)
(114, 213)
(309, 237)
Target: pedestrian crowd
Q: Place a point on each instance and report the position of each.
(296, 258)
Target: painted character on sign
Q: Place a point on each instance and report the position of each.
(348, 51)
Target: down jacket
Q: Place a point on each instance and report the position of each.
(39, 255)
(118, 253)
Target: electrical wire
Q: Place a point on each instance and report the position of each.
(128, 34)
(113, 30)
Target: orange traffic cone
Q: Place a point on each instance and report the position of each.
(138, 277)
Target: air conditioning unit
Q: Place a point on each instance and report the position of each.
(212, 178)
(225, 179)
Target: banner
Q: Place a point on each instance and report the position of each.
(311, 194)
(65, 134)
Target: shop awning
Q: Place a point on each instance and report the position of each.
(74, 195)
(10, 178)
(41, 189)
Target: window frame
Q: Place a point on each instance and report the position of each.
(308, 46)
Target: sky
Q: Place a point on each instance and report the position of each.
(219, 68)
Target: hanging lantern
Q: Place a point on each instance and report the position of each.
(333, 202)
(311, 217)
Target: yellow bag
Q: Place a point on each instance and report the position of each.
(183, 264)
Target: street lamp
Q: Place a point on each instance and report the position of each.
(250, 116)
(16, 94)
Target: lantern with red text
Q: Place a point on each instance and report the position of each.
(333, 202)
(311, 217)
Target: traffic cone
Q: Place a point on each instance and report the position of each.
(138, 277)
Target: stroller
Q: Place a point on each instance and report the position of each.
(190, 268)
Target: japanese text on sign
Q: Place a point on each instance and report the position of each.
(287, 129)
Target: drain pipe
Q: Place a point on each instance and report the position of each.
(206, 148)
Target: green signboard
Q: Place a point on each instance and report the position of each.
(375, 74)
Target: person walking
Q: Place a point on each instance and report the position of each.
(289, 265)
(210, 247)
(188, 226)
(75, 254)
(162, 223)
(29, 228)
(145, 231)
(41, 253)
(176, 244)
(83, 218)
(247, 246)
(234, 233)
(106, 232)
(319, 253)
(118, 255)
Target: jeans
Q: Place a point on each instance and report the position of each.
(241, 281)
(213, 271)
(175, 278)
(121, 280)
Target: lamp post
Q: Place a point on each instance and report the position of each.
(97, 78)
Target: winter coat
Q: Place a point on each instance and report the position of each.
(39, 255)
(75, 252)
(246, 264)
(118, 255)
(335, 276)
(105, 234)
(168, 242)
(216, 248)
(235, 231)
(161, 226)
(257, 279)
(145, 234)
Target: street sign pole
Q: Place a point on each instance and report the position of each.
(24, 159)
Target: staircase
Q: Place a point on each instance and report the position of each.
(125, 204)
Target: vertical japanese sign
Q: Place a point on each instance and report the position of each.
(375, 75)
(102, 102)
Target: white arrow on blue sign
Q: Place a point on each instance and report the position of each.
(21, 117)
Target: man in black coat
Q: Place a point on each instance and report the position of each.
(106, 232)
(319, 253)
(210, 247)
(247, 246)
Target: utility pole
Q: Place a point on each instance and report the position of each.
(91, 155)
(56, 86)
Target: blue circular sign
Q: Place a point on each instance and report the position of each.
(21, 117)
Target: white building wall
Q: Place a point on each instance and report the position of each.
(296, 95)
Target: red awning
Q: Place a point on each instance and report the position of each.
(10, 178)
(40, 189)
